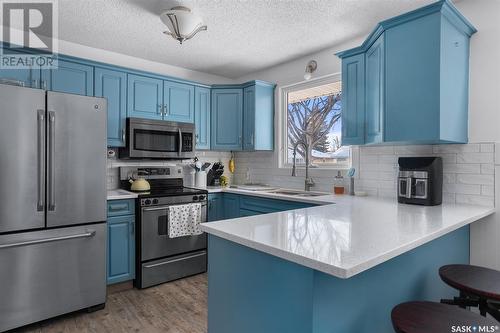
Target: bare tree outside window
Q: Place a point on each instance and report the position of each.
(314, 117)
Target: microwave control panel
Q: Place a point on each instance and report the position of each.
(187, 142)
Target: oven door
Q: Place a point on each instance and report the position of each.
(159, 139)
(155, 242)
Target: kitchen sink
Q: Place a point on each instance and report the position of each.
(299, 193)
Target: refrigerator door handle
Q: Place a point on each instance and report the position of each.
(51, 161)
(180, 142)
(41, 160)
(90, 233)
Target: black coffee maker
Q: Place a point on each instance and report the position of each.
(420, 180)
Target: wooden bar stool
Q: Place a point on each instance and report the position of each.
(431, 317)
(478, 286)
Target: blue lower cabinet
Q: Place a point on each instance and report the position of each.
(69, 77)
(121, 248)
(112, 85)
(231, 205)
(121, 241)
(215, 207)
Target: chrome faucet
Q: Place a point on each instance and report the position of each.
(308, 182)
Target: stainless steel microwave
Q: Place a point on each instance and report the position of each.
(158, 139)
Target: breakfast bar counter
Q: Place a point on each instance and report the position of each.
(337, 267)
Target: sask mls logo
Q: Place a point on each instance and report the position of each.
(28, 25)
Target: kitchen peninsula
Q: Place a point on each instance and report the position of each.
(337, 267)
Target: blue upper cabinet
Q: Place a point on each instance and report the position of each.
(144, 97)
(112, 85)
(226, 119)
(28, 77)
(202, 117)
(178, 101)
(69, 77)
(249, 118)
(375, 91)
(353, 100)
(258, 116)
(416, 79)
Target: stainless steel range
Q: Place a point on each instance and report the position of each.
(160, 258)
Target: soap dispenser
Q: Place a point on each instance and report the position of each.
(338, 184)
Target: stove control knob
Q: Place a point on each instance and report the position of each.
(155, 201)
(195, 198)
(147, 202)
(201, 197)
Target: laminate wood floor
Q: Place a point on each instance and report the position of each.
(174, 307)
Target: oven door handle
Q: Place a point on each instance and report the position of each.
(180, 142)
(152, 209)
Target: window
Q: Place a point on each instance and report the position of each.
(313, 119)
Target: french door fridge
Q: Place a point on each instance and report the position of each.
(52, 204)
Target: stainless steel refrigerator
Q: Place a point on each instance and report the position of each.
(52, 204)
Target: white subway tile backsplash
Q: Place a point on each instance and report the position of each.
(488, 169)
(470, 148)
(462, 168)
(475, 158)
(468, 170)
(475, 179)
(487, 148)
(480, 200)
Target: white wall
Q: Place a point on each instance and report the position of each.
(484, 116)
(114, 58)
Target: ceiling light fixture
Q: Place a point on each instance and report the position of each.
(310, 68)
(182, 23)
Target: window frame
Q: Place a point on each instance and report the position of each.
(283, 126)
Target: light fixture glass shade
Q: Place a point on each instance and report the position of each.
(182, 24)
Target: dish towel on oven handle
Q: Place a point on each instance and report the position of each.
(184, 220)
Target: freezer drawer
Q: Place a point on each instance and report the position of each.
(48, 273)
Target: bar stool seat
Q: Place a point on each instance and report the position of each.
(431, 317)
(478, 286)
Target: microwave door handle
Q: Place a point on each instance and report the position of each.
(180, 142)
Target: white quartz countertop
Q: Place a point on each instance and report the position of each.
(120, 194)
(346, 235)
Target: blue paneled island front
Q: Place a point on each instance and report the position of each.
(339, 267)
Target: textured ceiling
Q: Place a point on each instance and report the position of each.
(243, 35)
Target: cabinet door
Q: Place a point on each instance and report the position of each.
(113, 86)
(144, 97)
(28, 77)
(69, 77)
(202, 117)
(249, 118)
(214, 207)
(121, 249)
(353, 100)
(178, 101)
(375, 78)
(226, 119)
(231, 206)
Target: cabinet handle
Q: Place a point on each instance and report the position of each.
(239, 139)
(160, 109)
(35, 84)
(132, 228)
(166, 109)
(197, 138)
(123, 135)
(44, 85)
